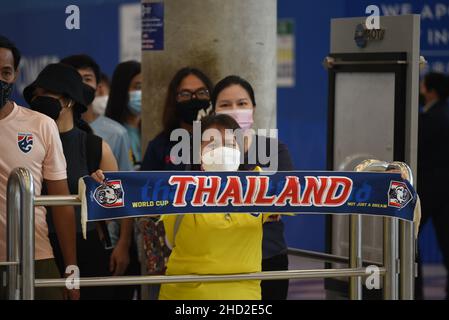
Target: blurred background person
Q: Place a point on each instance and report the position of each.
(125, 104)
(101, 96)
(433, 163)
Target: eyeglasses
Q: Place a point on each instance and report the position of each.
(185, 95)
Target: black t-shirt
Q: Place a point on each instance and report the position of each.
(74, 147)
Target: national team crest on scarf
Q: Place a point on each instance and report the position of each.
(25, 142)
(110, 194)
(399, 195)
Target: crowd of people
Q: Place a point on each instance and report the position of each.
(77, 123)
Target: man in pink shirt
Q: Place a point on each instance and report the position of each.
(31, 140)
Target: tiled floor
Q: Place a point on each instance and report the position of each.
(434, 281)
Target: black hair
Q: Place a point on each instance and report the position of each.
(438, 82)
(83, 61)
(230, 81)
(117, 107)
(170, 118)
(8, 44)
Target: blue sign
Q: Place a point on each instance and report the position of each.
(153, 26)
(434, 26)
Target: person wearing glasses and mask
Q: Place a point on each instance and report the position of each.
(187, 100)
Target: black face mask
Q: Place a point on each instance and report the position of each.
(188, 110)
(47, 105)
(5, 92)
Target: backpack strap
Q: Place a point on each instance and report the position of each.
(94, 152)
(176, 227)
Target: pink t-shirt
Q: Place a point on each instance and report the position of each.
(31, 140)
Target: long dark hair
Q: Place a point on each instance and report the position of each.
(117, 107)
(230, 81)
(170, 117)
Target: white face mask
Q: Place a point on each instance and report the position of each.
(221, 159)
(99, 105)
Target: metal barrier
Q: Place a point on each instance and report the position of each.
(20, 243)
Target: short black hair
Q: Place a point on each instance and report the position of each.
(83, 61)
(229, 81)
(8, 44)
(438, 82)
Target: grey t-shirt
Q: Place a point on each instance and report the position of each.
(117, 138)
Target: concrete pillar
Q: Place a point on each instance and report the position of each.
(221, 37)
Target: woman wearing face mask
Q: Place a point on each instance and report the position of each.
(222, 243)
(235, 97)
(60, 93)
(125, 103)
(102, 95)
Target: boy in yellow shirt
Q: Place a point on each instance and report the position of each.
(215, 244)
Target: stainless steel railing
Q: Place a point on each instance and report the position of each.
(20, 242)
